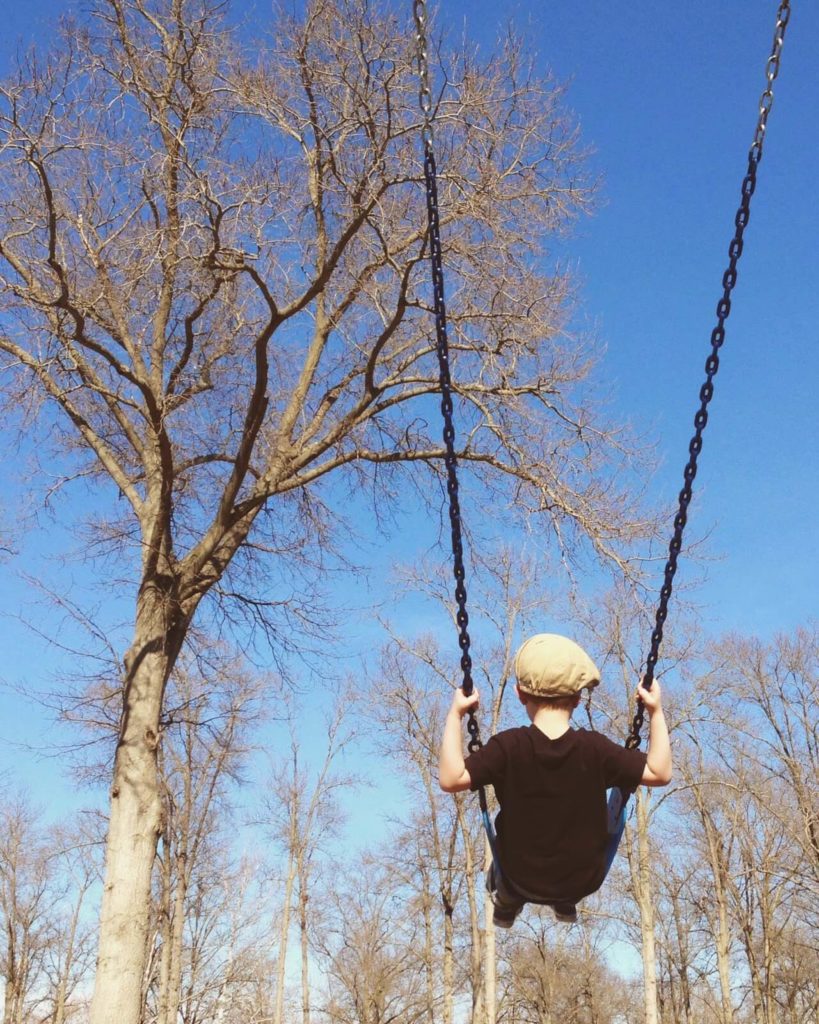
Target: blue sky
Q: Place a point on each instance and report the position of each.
(666, 95)
(668, 101)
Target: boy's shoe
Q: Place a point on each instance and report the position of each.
(565, 912)
(504, 919)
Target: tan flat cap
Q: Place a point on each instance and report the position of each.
(549, 665)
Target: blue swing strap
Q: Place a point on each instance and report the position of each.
(489, 828)
(617, 805)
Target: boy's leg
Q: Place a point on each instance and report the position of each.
(565, 912)
(508, 903)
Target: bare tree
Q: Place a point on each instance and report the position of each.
(408, 710)
(27, 898)
(241, 970)
(302, 815)
(473, 842)
(548, 977)
(213, 295)
(749, 813)
(778, 684)
(373, 973)
(45, 876)
(204, 744)
(679, 927)
(71, 951)
(797, 991)
(619, 624)
(227, 964)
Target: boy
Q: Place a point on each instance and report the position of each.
(551, 779)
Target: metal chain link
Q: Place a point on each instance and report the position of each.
(442, 349)
(729, 280)
(419, 12)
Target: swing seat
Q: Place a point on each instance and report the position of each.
(617, 806)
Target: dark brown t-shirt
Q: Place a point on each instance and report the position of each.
(552, 825)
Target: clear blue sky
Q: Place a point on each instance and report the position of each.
(666, 95)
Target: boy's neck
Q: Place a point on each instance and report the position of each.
(553, 722)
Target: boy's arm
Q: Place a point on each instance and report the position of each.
(658, 769)
(452, 774)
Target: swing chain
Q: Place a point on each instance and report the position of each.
(729, 280)
(419, 12)
(444, 377)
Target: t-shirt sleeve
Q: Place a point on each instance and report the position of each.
(621, 767)
(487, 765)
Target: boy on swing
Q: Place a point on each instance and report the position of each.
(551, 779)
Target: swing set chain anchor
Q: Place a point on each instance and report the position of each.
(729, 280)
(442, 350)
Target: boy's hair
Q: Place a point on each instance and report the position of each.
(563, 703)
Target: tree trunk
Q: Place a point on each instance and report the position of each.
(22, 980)
(429, 966)
(545, 986)
(61, 996)
(222, 999)
(125, 916)
(284, 928)
(490, 989)
(683, 966)
(719, 874)
(305, 950)
(747, 908)
(544, 1013)
(449, 963)
(18, 1006)
(478, 1002)
(60, 1001)
(10, 1004)
(723, 944)
(135, 823)
(15, 1005)
(177, 941)
(767, 908)
(642, 885)
(11, 976)
(753, 971)
(165, 930)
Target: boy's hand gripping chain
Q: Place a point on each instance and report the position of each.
(442, 348)
(729, 279)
